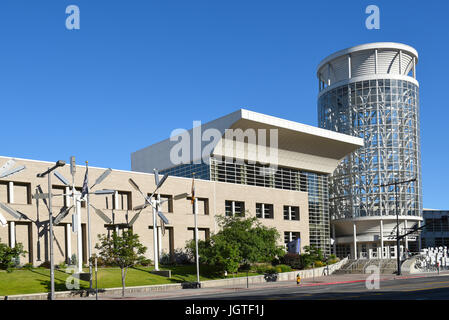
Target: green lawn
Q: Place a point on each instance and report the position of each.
(38, 280)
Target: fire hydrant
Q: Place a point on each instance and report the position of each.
(298, 279)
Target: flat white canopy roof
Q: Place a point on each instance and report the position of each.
(300, 146)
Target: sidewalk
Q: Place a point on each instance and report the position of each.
(317, 281)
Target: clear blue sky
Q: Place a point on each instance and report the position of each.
(138, 69)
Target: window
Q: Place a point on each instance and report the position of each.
(167, 206)
(234, 208)
(203, 233)
(15, 192)
(291, 213)
(264, 211)
(203, 205)
(122, 200)
(290, 236)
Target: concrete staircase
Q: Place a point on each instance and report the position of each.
(359, 266)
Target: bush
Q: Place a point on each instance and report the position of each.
(260, 268)
(10, 257)
(283, 268)
(144, 262)
(45, 264)
(73, 260)
(293, 260)
(178, 257)
(319, 264)
(28, 266)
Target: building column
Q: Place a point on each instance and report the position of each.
(12, 234)
(349, 67)
(159, 240)
(419, 238)
(68, 232)
(11, 191)
(414, 68)
(381, 239)
(335, 239)
(355, 241)
(405, 238)
(79, 236)
(375, 62)
(67, 197)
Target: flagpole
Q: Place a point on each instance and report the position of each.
(195, 211)
(89, 247)
(195, 206)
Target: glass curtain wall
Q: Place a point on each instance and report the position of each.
(385, 114)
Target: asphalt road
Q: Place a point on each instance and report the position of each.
(428, 288)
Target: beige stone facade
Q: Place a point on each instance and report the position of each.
(33, 234)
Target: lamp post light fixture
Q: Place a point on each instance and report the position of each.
(58, 164)
(398, 238)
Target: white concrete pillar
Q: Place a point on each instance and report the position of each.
(375, 62)
(68, 231)
(349, 67)
(11, 191)
(116, 206)
(355, 241)
(419, 238)
(79, 234)
(406, 238)
(68, 197)
(414, 68)
(159, 239)
(12, 233)
(335, 239)
(382, 239)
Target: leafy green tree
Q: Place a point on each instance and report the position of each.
(124, 251)
(239, 241)
(311, 255)
(9, 256)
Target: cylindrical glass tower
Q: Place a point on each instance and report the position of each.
(370, 91)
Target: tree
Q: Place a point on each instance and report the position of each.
(239, 241)
(124, 251)
(312, 254)
(9, 256)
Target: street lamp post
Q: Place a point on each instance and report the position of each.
(59, 163)
(398, 239)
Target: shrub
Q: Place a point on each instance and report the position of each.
(28, 266)
(45, 264)
(9, 257)
(73, 260)
(260, 267)
(319, 264)
(144, 262)
(177, 257)
(293, 260)
(283, 268)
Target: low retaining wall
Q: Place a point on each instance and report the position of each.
(285, 276)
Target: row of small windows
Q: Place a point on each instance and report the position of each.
(263, 210)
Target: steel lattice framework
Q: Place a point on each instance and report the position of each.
(383, 109)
